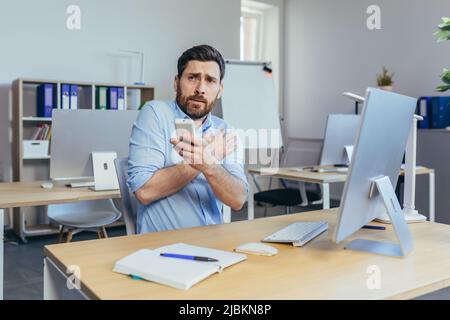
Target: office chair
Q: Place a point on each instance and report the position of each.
(129, 201)
(286, 196)
(83, 216)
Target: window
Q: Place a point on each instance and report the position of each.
(251, 26)
(260, 36)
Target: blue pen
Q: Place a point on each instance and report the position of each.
(374, 227)
(187, 257)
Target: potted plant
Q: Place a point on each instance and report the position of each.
(443, 34)
(384, 80)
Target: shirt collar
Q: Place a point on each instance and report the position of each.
(180, 114)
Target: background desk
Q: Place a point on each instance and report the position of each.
(320, 270)
(29, 194)
(325, 179)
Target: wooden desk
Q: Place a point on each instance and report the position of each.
(319, 270)
(29, 194)
(324, 179)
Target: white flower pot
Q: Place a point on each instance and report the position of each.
(387, 88)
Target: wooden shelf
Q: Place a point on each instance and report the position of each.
(36, 81)
(118, 223)
(37, 158)
(37, 119)
(38, 168)
(85, 83)
(40, 230)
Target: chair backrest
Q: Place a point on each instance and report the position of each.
(65, 208)
(295, 157)
(302, 153)
(129, 201)
(60, 211)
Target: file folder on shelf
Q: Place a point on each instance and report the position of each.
(423, 109)
(120, 99)
(45, 101)
(435, 111)
(112, 98)
(73, 97)
(65, 96)
(101, 98)
(134, 99)
(440, 113)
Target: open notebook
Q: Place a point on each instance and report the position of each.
(177, 273)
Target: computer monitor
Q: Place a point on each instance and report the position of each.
(340, 131)
(381, 141)
(78, 133)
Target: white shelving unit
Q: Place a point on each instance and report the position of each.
(33, 221)
(37, 158)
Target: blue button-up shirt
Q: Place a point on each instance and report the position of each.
(151, 150)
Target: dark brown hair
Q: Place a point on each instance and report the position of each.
(201, 53)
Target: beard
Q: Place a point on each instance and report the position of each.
(195, 106)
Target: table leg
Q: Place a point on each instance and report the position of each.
(226, 211)
(250, 203)
(320, 201)
(326, 195)
(2, 230)
(56, 284)
(432, 196)
(51, 288)
(303, 195)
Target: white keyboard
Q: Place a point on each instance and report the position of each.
(86, 184)
(332, 169)
(298, 233)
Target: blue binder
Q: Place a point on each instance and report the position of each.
(73, 97)
(120, 99)
(65, 96)
(45, 101)
(112, 99)
(436, 112)
(440, 112)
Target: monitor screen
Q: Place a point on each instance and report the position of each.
(78, 133)
(341, 130)
(380, 144)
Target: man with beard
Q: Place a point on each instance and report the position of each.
(183, 182)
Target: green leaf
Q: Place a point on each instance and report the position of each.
(446, 77)
(444, 27)
(443, 88)
(442, 35)
(445, 23)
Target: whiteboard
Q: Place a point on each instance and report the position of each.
(249, 104)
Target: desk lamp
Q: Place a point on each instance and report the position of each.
(410, 213)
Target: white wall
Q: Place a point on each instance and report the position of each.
(329, 50)
(36, 43)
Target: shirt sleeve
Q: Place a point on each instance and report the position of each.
(234, 162)
(147, 145)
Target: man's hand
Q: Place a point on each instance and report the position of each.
(221, 144)
(206, 152)
(204, 155)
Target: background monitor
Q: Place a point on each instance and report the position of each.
(340, 131)
(78, 133)
(381, 141)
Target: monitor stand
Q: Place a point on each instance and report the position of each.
(404, 247)
(348, 150)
